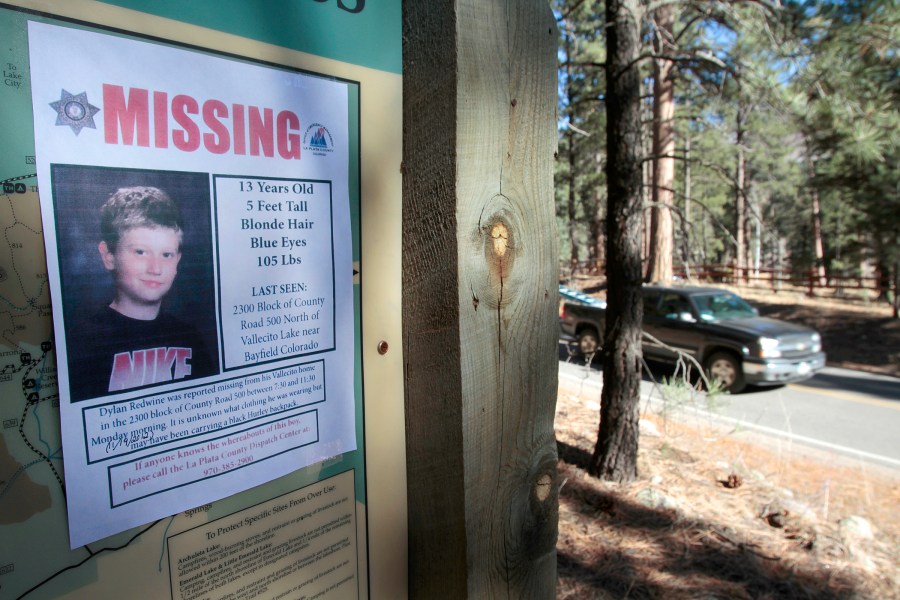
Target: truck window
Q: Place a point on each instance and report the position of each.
(673, 305)
(723, 305)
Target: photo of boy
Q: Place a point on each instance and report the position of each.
(132, 340)
(141, 247)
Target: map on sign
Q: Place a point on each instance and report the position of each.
(31, 480)
(149, 560)
(28, 372)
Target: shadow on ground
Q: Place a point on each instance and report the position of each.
(639, 552)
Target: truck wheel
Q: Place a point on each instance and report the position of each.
(725, 368)
(588, 342)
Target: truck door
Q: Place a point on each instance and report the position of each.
(675, 325)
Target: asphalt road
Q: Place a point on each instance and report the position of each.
(849, 412)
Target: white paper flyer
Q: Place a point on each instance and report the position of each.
(197, 227)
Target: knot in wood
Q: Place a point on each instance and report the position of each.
(495, 249)
(543, 487)
(500, 238)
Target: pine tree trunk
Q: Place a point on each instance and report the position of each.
(574, 257)
(686, 224)
(662, 232)
(615, 454)
(740, 203)
(818, 246)
(896, 298)
(597, 242)
(818, 276)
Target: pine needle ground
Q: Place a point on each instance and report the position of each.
(772, 533)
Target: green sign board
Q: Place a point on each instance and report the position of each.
(353, 31)
(222, 446)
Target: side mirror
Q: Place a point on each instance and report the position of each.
(686, 317)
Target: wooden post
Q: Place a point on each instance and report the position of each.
(480, 329)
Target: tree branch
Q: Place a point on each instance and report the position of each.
(679, 211)
(577, 130)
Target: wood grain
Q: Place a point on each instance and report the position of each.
(480, 299)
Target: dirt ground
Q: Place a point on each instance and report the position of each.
(776, 534)
(721, 514)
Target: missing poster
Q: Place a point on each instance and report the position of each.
(197, 228)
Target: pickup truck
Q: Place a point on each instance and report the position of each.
(719, 329)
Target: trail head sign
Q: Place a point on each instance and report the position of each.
(190, 201)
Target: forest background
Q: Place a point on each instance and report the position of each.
(762, 136)
(769, 135)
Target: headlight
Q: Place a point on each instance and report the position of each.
(816, 342)
(768, 348)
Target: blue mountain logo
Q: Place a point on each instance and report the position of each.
(317, 140)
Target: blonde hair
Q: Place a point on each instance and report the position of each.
(140, 206)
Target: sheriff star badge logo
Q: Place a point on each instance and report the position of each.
(74, 111)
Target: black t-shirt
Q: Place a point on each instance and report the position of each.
(110, 352)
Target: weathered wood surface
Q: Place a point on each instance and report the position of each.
(480, 297)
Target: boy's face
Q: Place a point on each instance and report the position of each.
(144, 264)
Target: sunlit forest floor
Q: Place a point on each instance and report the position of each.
(719, 514)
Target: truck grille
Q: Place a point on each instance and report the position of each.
(796, 346)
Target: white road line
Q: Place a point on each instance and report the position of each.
(761, 428)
